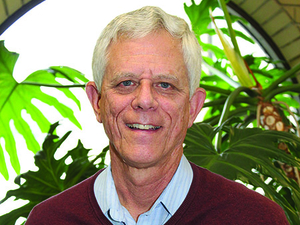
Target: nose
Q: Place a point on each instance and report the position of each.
(144, 98)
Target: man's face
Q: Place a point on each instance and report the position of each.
(144, 103)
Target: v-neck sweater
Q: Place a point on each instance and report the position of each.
(212, 199)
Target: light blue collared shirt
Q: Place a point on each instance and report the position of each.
(161, 211)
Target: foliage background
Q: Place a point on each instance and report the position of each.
(214, 96)
(227, 144)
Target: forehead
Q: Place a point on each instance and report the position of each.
(158, 52)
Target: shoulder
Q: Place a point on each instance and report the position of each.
(215, 195)
(77, 200)
(222, 188)
(73, 194)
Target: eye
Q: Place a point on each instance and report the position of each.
(164, 85)
(126, 83)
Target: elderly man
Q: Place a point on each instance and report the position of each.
(146, 69)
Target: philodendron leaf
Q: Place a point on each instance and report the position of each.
(199, 14)
(53, 175)
(248, 151)
(17, 97)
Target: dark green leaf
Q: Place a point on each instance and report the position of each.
(247, 151)
(53, 175)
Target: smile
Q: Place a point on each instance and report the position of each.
(142, 127)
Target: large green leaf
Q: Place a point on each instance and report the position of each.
(249, 155)
(199, 14)
(53, 175)
(16, 97)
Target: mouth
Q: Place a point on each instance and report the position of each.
(136, 126)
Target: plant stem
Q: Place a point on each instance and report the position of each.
(229, 24)
(225, 113)
(241, 99)
(242, 111)
(284, 77)
(276, 91)
(215, 89)
(221, 75)
(263, 73)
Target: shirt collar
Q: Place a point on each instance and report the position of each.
(176, 191)
(171, 198)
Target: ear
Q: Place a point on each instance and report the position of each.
(94, 97)
(196, 104)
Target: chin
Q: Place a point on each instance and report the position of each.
(141, 160)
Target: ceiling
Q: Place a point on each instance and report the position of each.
(277, 23)
(11, 10)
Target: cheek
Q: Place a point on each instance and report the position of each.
(178, 112)
(111, 109)
(108, 112)
(112, 106)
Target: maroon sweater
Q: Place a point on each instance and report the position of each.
(211, 199)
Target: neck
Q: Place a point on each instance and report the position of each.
(139, 187)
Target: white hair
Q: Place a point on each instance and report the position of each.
(140, 23)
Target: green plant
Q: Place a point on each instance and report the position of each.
(225, 142)
(53, 175)
(250, 155)
(16, 97)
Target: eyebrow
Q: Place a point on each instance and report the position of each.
(166, 77)
(118, 76)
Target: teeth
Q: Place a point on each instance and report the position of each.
(142, 127)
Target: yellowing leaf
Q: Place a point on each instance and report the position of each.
(235, 59)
